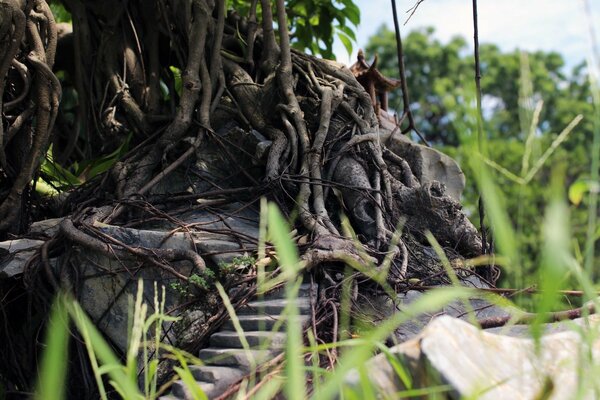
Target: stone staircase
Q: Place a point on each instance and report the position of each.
(226, 361)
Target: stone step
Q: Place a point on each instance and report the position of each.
(230, 339)
(214, 374)
(278, 293)
(274, 306)
(235, 357)
(258, 322)
(182, 392)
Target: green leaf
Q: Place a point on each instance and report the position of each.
(178, 80)
(60, 13)
(348, 31)
(42, 187)
(59, 175)
(352, 12)
(346, 42)
(577, 190)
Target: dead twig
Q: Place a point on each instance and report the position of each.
(527, 318)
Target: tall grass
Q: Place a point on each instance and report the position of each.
(139, 369)
(292, 379)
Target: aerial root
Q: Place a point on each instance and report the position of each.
(113, 248)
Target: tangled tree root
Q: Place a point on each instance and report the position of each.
(181, 78)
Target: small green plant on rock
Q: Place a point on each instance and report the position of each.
(237, 264)
(202, 282)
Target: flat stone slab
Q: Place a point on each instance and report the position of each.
(181, 391)
(14, 255)
(279, 293)
(48, 227)
(245, 359)
(258, 322)
(214, 374)
(230, 339)
(273, 307)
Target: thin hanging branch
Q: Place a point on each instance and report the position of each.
(484, 239)
(477, 76)
(413, 10)
(407, 113)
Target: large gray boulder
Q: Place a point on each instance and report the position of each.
(427, 164)
(483, 365)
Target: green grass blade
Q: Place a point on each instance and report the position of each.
(279, 232)
(137, 332)
(529, 142)
(503, 231)
(53, 370)
(594, 175)
(103, 352)
(555, 144)
(316, 369)
(294, 362)
(290, 263)
(189, 381)
(556, 253)
(269, 390)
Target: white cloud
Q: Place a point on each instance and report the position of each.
(558, 25)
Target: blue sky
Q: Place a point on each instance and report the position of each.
(559, 25)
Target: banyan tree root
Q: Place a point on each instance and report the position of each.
(325, 134)
(328, 152)
(28, 40)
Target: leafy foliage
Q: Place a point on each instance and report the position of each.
(60, 13)
(314, 24)
(55, 178)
